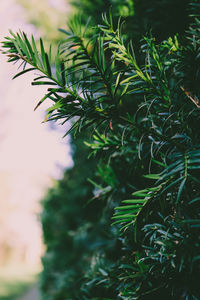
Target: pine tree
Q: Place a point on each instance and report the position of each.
(142, 108)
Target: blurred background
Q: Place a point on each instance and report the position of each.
(32, 155)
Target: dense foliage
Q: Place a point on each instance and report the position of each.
(140, 110)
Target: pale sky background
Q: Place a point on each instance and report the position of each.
(30, 152)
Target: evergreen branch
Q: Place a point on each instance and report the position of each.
(19, 48)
